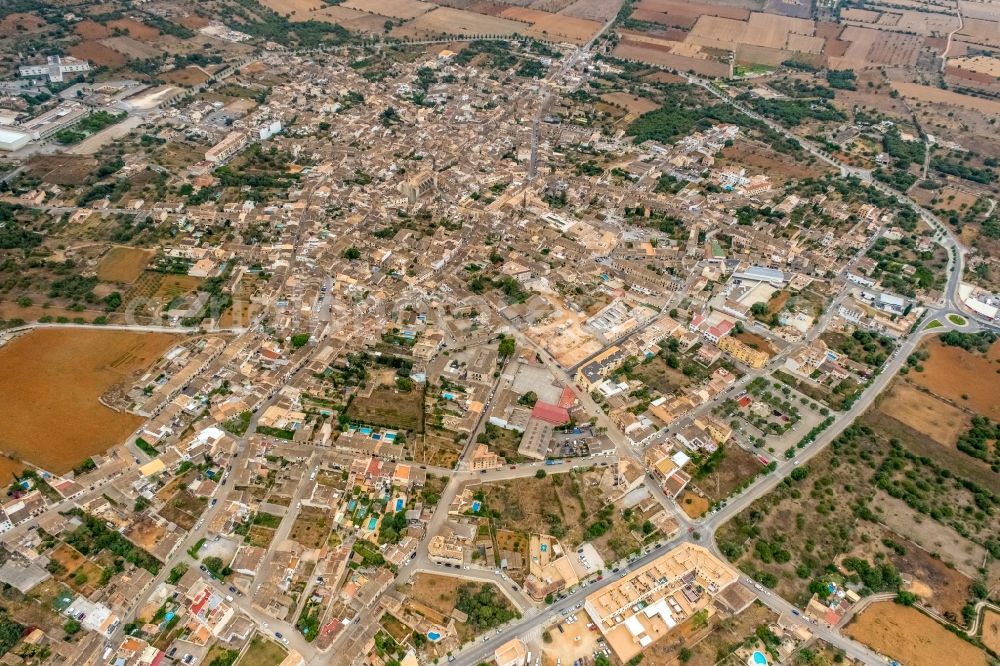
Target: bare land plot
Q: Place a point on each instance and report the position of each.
(962, 377)
(736, 467)
(131, 48)
(448, 21)
(189, 76)
(312, 526)
(937, 95)
(662, 54)
(352, 19)
(62, 169)
(262, 652)
(734, 11)
(757, 156)
(632, 103)
(51, 384)
(909, 636)
(123, 264)
(135, 29)
(924, 413)
(551, 26)
(91, 30)
(390, 408)
(595, 10)
(947, 545)
(97, 53)
(297, 8)
(440, 594)
(399, 9)
(991, 630)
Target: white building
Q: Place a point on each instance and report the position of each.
(11, 140)
(55, 67)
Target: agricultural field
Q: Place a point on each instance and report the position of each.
(52, 381)
(924, 413)
(123, 264)
(963, 378)
(991, 630)
(912, 638)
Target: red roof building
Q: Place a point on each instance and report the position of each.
(567, 399)
(550, 413)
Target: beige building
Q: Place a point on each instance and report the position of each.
(483, 458)
(644, 606)
(743, 353)
(511, 653)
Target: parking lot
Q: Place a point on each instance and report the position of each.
(572, 640)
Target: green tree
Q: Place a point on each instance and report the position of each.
(352, 253)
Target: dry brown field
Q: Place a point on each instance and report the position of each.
(660, 54)
(924, 413)
(553, 26)
(693, 504)
(131, 48)
(62, 169)
(937, 95)
(298, 8)
(123, 264)
(445, 20)
(51, 384)
(9, 468)
(189, 76)
(909, 636)
(136, 30)
(192, 21)
(97, 53)
(760, 157)
(948, 198)
(631, 103)
(895, 49)
(966, 379)
(91, 30)
(595, 10)
(19, 23)
(772, 31)
(351, 19)
(991, 630)
(695, 9)
(400, 9)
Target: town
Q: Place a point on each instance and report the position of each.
(505, 349)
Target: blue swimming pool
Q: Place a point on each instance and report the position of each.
(399, 504)
(376, 436)
(545, 547)
(759, 659)
(475, 506)
(448, 396)
(433, 636)
(372, 522)
(390, 436)
(351, 505)
(365, 430)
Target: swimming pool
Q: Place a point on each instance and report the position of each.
(365, 430)
(448, 396)
(433, 636)
(475, 506)
(399, 504)
(544, 547)
(372, 522)
(390, 436)
(759, 659)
